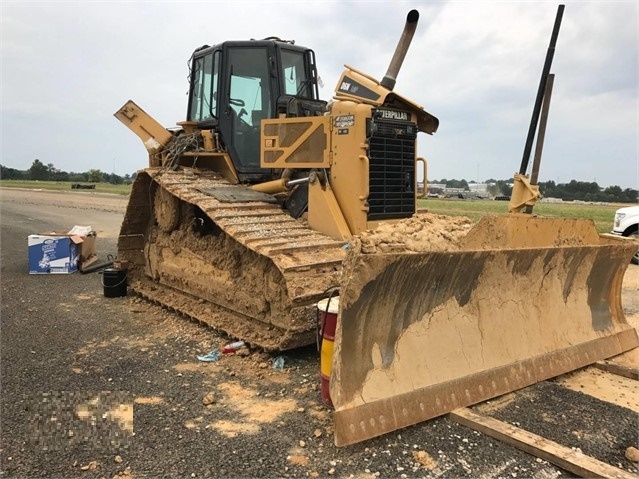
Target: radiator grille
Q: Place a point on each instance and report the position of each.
(391, 155)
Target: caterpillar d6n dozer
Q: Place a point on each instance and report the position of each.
(266, 197)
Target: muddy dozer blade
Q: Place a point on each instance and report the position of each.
(516, 300)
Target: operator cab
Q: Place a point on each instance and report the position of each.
(236, 84)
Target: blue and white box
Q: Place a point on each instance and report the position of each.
(53, 254)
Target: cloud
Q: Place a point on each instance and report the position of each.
(67, 66)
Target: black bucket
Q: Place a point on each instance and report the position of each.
(114, 282)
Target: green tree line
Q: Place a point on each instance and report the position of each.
(574, 190)
(41, 172)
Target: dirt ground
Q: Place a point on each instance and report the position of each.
(112, 387)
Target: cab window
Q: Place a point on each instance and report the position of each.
(295, 75)
(204, 87)
(249, 101)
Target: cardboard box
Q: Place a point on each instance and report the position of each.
(87, 250)
(60, 253)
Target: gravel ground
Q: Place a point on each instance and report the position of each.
(600, 432)
(111, 387)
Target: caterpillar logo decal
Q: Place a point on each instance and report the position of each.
(392, 115)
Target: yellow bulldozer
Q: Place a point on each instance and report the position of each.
(267, 197)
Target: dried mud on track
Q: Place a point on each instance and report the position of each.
(96, 359)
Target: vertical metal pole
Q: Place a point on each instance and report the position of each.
(539, 147)
(540, 92)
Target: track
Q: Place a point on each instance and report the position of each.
(227, 256)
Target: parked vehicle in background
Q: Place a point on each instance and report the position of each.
(627, 224)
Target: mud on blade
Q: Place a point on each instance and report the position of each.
(518, 300)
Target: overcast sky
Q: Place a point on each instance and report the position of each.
(68, 66)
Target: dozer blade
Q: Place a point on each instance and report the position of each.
(515, 301)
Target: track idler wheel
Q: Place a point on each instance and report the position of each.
(166, 209)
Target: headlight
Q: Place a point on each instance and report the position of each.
(618, 218)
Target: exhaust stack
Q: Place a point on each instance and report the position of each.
(400, 52)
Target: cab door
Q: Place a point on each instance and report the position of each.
(247, 100)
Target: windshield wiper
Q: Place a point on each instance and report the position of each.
(303, 84)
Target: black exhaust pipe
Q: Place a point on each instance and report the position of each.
(400, 52)
(534, 121)
(96, 267)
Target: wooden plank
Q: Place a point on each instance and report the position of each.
(618, 369)
(562, 456)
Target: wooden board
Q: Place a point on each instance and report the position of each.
(562, 456)
(626, 364)
(618, 369)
